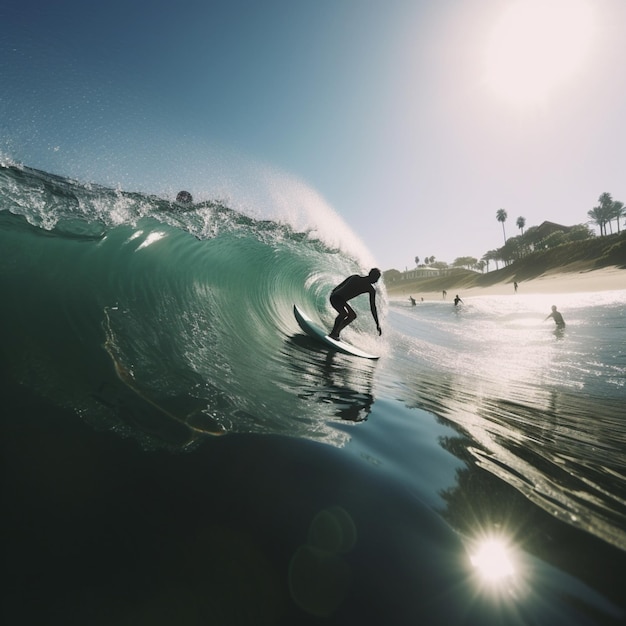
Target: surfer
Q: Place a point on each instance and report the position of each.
(557, 317)
(412, 300)
(184, 197)
(352, 287)
(457, 300)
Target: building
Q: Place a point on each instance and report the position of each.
(394, 276)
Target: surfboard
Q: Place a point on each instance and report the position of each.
(311, 329)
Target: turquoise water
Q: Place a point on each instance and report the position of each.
(177, 451)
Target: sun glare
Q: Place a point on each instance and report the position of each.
(493, 561)
(536, 47)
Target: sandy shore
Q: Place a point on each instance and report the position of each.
(605, 279)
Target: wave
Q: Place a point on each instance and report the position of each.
(160, 322)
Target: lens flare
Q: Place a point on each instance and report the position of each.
(493, 560)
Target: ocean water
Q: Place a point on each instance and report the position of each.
(176, 451)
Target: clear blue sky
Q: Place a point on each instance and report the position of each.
(414, 121)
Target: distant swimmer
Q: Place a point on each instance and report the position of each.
(557, 317)
(515, 285)
(457, 300)
(184, 197)
(412, 300)
(352, 287)
(444, 293)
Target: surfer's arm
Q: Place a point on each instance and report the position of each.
(373, 309)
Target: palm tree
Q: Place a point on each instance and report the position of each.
(607, 209)
(605, 199)
(597, 217)
(486, 258)
(618, 212)
(492, 255)
(501, 217)
(521, 222)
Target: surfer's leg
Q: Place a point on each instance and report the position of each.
(334, 333)
(343, 320)
(350, 318)
(340, 321)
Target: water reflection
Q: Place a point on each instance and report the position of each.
(562, 450)
(306, 388)
(519, 552)
(329, 379)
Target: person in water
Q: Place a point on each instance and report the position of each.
(184, 197)
(352, 287)
(457, 300)
(557, 317)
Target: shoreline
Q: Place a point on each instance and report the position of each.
(604, 279)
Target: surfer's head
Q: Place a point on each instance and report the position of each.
(184, 197)
(374, 275)
(554, 307)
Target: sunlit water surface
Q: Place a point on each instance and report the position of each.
(543, 406)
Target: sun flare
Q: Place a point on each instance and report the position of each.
(536, 47)
(493, 560)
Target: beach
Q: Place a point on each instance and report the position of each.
(604, 279)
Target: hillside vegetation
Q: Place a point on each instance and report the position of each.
(577, 256)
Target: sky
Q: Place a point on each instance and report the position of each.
(414, 121)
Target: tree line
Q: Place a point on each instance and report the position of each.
(515, 248)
